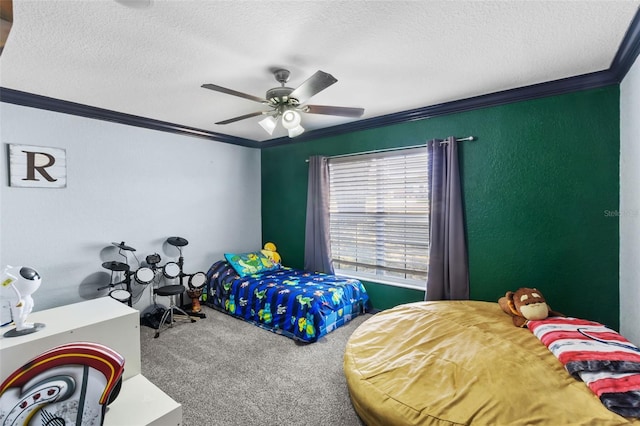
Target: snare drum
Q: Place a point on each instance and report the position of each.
(171, 270)
(144, 276)
(120, 295)
(197, 280)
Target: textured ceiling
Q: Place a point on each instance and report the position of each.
(150, 57)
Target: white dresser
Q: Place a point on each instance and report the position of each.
(110, 323)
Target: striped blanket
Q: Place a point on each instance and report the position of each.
(607, 362)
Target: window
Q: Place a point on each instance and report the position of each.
(379, 216)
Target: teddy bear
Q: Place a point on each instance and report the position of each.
(526, 304)
(270, 251)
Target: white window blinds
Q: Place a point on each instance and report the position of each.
(379, 216)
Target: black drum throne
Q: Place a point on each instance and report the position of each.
(173, 290)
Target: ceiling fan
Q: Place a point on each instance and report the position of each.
(288, 103)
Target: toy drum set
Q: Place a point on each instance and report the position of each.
(121, 288)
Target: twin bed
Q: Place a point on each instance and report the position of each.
(298, 304)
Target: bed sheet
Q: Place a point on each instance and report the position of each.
(298, 304)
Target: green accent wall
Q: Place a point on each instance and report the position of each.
(538, 184)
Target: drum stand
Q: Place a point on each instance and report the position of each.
(178, 243)
(173, 290)
(114, 266)
(120, 267)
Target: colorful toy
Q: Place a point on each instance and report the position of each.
(17, 284)
(71, 384)
(526, 304)
(270, 251)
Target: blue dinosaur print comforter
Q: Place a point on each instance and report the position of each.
(298, 304)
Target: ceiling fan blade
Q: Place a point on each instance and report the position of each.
(242, 117)
(314, 84)
(234, 93)
(334, 110)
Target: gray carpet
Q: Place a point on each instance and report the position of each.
(225, 371)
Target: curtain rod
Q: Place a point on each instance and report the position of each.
(375, 151)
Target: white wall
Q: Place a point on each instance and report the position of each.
(123, 184)
(630, 205)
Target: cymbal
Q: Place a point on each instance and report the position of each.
(123, 246)
(177, 241)
(115, 266)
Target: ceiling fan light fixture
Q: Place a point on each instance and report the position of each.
(287, 102)
(269, 124)
(296, 131)
(291, 119)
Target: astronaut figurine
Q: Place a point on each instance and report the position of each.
(17, 285)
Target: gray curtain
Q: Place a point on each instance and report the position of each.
(317, 248)
(448, 276)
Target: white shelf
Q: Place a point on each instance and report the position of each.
(110, 323)
(104, 320)
(140, 402)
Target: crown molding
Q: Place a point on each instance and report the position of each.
(629, 49)
(623, 61)
(557, 87)
(57, 105)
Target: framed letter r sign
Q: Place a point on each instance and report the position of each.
(37, 166)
